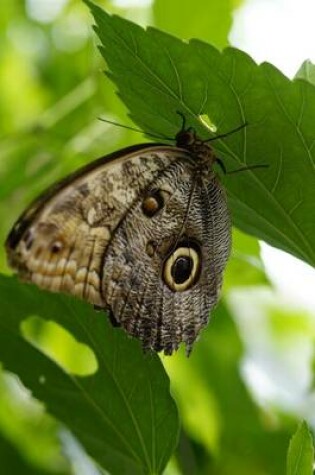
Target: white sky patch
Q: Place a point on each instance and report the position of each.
(277, 369)
(279, 31)
(44, 11)
(293, 278)
(132, 3)
(283, 33)
(71, 32)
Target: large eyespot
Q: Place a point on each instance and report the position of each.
(152, 203)
(182, 268)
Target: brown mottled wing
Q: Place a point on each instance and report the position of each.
(59, 243)
(195, 210)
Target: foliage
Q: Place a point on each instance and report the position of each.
(166, 75)
(115, 400)
(301, 452)
(123, 414)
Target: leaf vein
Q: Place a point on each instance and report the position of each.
(121, 392)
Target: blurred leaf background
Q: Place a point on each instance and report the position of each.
(250, 377)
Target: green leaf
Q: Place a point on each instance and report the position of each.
(300, 459)
(208, 20)
(123, 414)
(307, 71)
(23, 422)
(245, 267)
(12, 463)
(157, 75)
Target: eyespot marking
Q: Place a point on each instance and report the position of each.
(182, 267)
(152, 203)
(56, 247)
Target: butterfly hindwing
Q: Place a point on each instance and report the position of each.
(190, 222)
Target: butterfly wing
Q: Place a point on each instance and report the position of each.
(60, 241)
(139, 233)
(163, 268)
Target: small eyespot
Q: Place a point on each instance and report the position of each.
(56, 247)
(182, 268)
(152, 203)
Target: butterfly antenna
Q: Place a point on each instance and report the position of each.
(183, 127)
(221, 165)
(156, 136)
(222, 136)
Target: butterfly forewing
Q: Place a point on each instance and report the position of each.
(60, 241)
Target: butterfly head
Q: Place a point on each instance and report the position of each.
(201, 151)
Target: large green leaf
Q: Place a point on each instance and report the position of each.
(157, 75)
(123, 414)
(301, 452)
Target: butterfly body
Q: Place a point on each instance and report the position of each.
(143, 233)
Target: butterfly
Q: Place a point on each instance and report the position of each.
(143, 233)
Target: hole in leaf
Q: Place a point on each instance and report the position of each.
(60, 345)
(206, 122)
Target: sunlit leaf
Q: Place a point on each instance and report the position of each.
(307, 71)
(24, 423)
(12, 463)
(207, 20)
(301, 452)
(245, 267)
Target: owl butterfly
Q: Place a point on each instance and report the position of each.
(143, 233)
